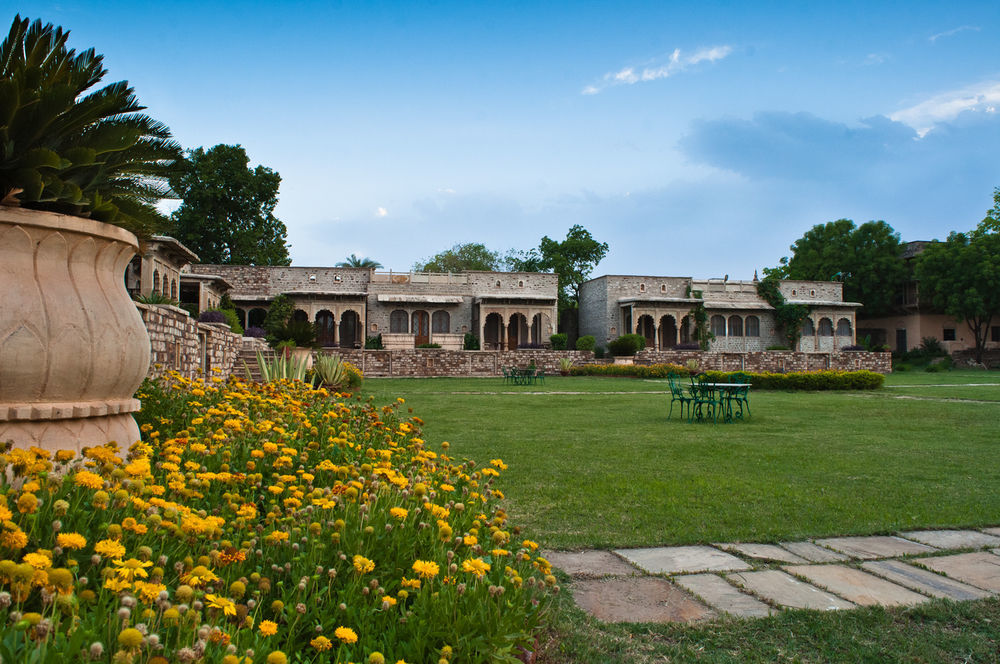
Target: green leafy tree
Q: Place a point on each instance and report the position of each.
(354, 261)
(227, 215)
(525, 261)
(991, 224)
(70, 149)
(866, 258)
(573, 259)
(961, 277)
(461, 258)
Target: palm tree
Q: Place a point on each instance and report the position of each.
(64, 149)
(354, 261)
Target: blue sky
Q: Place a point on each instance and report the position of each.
(696, 138)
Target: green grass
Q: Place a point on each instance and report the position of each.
(603, 467)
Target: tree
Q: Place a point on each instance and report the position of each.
(227, 214)
(961, 277)
(461, 258)
(991, 224)
(573, 259)
(524, 261)
(866, 258)
(354, 261)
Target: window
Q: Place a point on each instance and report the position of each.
(399, 322)
(520, 284)
(825, 327)
(753, 326)
(718, 326)
(948, 334)
(440, 322)
(995, 333)
(735, 326)
(807, 328)
(642, 288)
(498, 283)
(663, 288)
(843, 328)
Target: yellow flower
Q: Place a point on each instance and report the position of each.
(227, 606)
(131, 569)
(363, 565)
(321, 643)
(130, 638)
(199, 576)
(398, 512)
(268, 627)
(27, 503)
(426, 569)
(71, 540)
(110, 548)
(37, 560)
(117, 585)
(470, 540)
(346, 634)
(277, 657)
(476, 566)
(87, 479)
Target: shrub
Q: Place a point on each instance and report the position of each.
(156, 298)
(599, 352)
(932, 347)
(329, 370)
(777, 347)
(802, 380)
(629, 370)
(627, 344)
(228, 316)
(255, 332)
(686, 346)
(374, 343)
(471, 342)
(212, 316)
(429, 346)
(558, 341)
(302, 332)
(586, 342)
(353, 374)
(531, 346)
(855, 347)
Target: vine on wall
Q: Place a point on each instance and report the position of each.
(788, 317)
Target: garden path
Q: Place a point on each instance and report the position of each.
(694, 583)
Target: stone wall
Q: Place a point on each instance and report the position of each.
(178, 342)
(456, 363)
(966, 358)
(779, 361)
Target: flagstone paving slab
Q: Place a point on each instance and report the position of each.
(785, 590)
(813, 552)
(590, 564)
(763, 552)
(857, 586)
(723, 596)
(991, 531)
(923, 581)
(978, 569)
(878, 546)
(953, 539)
(682, 559)
(638, 599)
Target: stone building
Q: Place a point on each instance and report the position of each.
(659, 308)
(157, 267)
(505, 310)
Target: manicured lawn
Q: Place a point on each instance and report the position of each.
(594, 463)
(973, 385)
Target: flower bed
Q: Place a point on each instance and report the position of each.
(263, 523)
(794, 380)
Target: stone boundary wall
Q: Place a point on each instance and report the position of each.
(777, 361)
(426, 362)
(178, 342)
(964, 358)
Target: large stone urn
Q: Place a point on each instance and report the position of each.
(73, 348)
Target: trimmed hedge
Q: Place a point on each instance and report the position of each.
(796, 380)
(586, 342)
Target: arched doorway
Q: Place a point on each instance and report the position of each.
(350, 326)
(517, 331)
(492, 331)
(326, 329)
(300, 316)
(256, 317)
(420, 327)
(668, 332)
(686, 330)
(241, 314)
(647, 328)
(537, 328)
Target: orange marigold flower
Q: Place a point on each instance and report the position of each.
(321, 643)
(426, 569)
(268, 627)
(110, 548)
(476, 566)
(346, 634)
(87, 479)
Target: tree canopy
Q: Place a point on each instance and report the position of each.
(461, 258)
(227, 213)
(961, 277)
(354, 261)
(866, 258)
(573, 259)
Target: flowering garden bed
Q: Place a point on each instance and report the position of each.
(263, 523)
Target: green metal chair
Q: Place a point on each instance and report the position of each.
(677, 394)
(739, 396)
(706, 401)
(507, 378)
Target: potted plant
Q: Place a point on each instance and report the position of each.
(565, 365)
(80, 173)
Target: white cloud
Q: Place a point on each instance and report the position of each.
(981, 97)
(675, 63)
(876, 58)
(952, 32)
(381, 212)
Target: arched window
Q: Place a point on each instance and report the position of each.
(825, 327)
(156, 281)
(300, 316)
(642, 288)
(173, 289)
(843, 328)
(718, 326)
(735, 326)
(753, 326)
(399, 322)
(808, 330)
(440, 322)
(663, 288)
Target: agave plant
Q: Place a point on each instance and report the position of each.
(330, 370)
(66, 148)
(280, 366)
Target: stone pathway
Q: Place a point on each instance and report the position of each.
(694, 583)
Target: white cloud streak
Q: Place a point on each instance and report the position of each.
(982, 98)
(952, 32)
(381, 212)
(676, 63)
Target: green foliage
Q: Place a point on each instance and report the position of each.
(627, 344)
(777, 347)
(630, 370)
(573, 259)
(565, 365)
(931, 346)
(866, 258)
(329, 370)
(374, 343)
(430, 345)
(991, 223)
(788, 317)
(354, 261)
(471, 342)
(232, 319)
(461, 258)
(599, 352)
(558, 341)
(277, 315)
(799, 380)
(302, 332)
(586, 342)
(279, 365)
(227, 213)
(524, 261)
(156, 298)
(961, 277)
(69, 149)
(701, 332)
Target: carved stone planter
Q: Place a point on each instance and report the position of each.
(73, 348)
